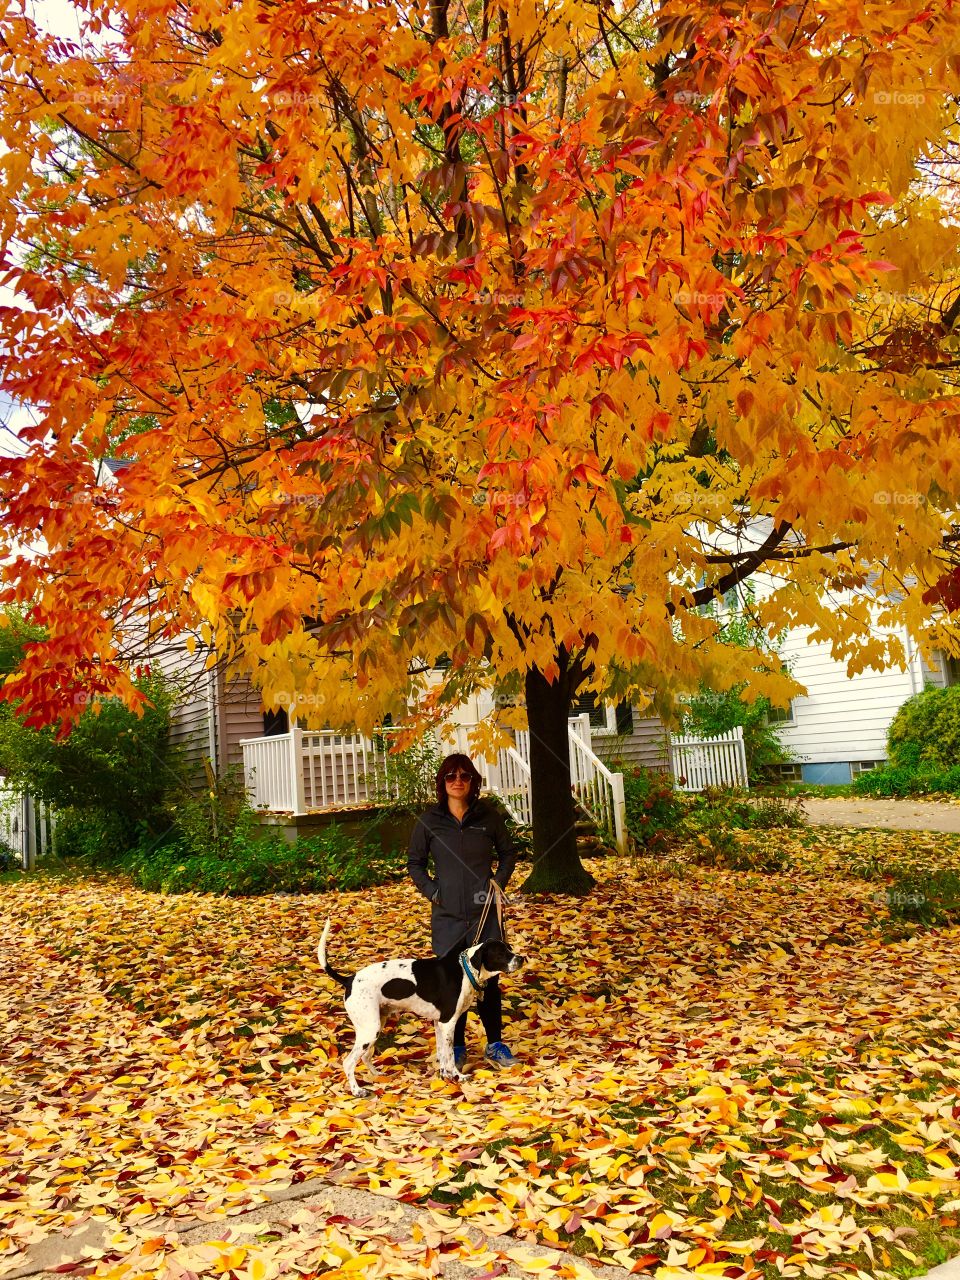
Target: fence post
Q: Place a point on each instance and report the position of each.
(29, 829)
(619, 812)
(298, 794)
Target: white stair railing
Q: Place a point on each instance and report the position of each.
(698, 763)
(512, 785)
(599, 789)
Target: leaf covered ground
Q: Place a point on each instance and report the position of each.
(724, 1074)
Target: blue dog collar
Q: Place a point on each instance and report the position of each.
(465, 966)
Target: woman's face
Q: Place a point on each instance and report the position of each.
(457, 782)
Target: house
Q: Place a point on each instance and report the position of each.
(838, 728)
(296, 772)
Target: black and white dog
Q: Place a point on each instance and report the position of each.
(436, 989)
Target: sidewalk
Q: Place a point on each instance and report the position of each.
(897, 815)
(411, 1241)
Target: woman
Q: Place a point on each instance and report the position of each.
(464, 834)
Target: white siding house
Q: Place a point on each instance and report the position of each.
(839, 727)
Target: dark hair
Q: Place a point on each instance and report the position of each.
(458, 761)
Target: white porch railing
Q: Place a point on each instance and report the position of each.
(699, 763)
(303, 770)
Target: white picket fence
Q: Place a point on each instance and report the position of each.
(698, 763)
(304, 770)
(26, 827)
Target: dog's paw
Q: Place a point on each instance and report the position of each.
(358, 1092)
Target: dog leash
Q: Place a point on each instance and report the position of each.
(494, 894)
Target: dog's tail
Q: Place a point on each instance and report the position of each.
(345, 980)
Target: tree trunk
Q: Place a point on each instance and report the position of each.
(556, 861)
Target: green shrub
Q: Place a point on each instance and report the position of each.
(711, 713)
(97, 835)
(716, 845)
(411, 777)
(905, 780)
(211, 822)
(266, 863)
(653, 809)
(106, 780)
(928, 898)
(716, 814)
(731, 807)
(925, 732)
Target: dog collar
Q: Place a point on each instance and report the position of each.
(471, 977)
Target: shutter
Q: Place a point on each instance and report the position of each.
(597, 711)
(624, 714)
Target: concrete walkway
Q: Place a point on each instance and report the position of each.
(393, 1219)
(51, 1257)
(896, 815)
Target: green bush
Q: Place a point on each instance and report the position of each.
(653, 810)
(925, 732)
(213, 821)
(411, 777)
(711, 713)
(106, 780)
(97, 835)
(929, 898)
(717, 813)
(739, 810)
(719, 847)
(905, 780)
(265, 863)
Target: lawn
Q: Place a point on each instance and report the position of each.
(724, 1074)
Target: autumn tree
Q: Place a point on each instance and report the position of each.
(509, 332)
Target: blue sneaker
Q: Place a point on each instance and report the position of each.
(459, 1056)
(499, 1055)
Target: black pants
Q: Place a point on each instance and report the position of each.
(490, 1009)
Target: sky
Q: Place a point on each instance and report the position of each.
(58, 17)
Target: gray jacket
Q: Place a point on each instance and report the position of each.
(463, 856)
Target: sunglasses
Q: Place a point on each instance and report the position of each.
(457, 776)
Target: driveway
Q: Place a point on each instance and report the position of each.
(900, 815)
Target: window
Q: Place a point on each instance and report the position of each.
(604, 716)
(275, 723)
(865, 766)
(790, 772)
(780, 715)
